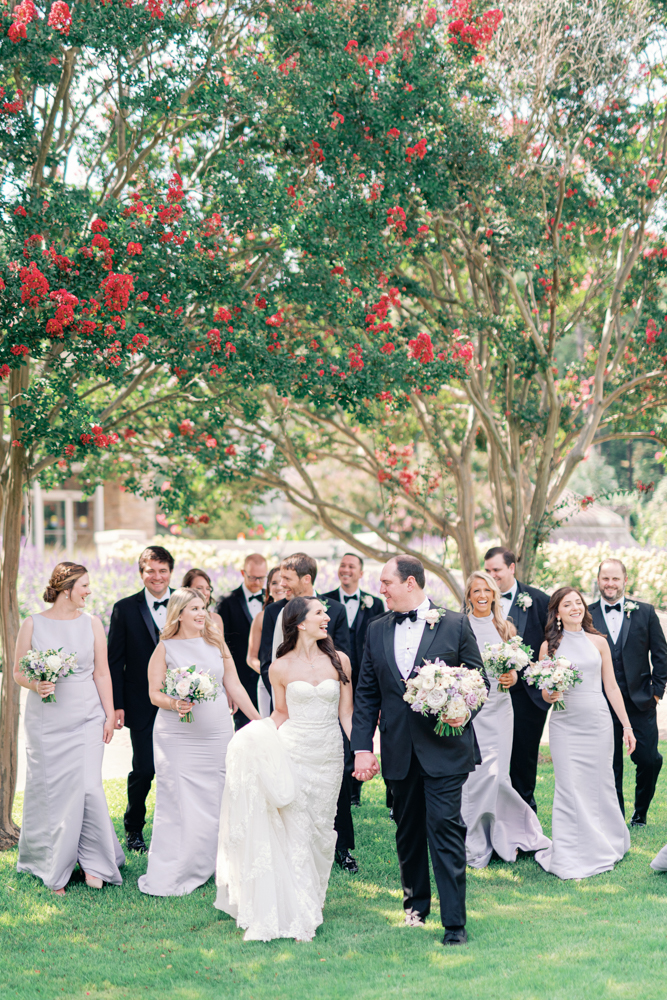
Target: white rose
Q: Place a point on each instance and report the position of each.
(183, 687)
(456, 708)
(428, 682)
(521, 658)
(205, 685)
(368, 601)
(428, 670)
(416, 683)
(52, 662)
(436, 698)
(562, 661)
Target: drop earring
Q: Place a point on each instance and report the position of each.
(559, 622)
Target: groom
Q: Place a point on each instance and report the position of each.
(425, 772)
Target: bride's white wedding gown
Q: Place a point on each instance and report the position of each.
(277, 841)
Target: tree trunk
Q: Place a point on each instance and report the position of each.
(9, 614)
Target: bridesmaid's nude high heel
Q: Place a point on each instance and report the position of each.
(94, 883)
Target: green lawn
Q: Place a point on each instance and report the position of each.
(532, 937)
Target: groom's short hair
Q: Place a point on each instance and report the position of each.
(158, 554)
(410, 566)
(500, 550)
(302, 564)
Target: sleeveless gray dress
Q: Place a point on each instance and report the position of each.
(65, 813)
(496, 816)
(588, 833)
(190, 773)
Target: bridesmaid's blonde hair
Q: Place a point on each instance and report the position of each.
(504, 626)
(178, 602)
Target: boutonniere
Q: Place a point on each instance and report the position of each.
(433, 616)
(524, 601)
(325, 604)
(630, 606)
(367, 601)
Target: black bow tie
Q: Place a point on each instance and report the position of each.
(160, 604)
(401, 616)
(507, 596)
(350, 597)
(256, 597)
(612, 607)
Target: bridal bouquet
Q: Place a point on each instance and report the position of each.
(47, 665)
(553, 674)
(190, 684)
(499, 657)
(445, 692)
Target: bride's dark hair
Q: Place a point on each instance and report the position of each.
(552, 631)
(294, 613)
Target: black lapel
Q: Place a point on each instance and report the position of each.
(244, 604)
(627, 624)
(600, 622)
(148, 618)
(518, 614)
(388, 638)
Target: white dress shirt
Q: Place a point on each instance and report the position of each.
(506, 602)
(351, 607)
(254, 607)
(407, 637)
(159, 615)
(613, 619)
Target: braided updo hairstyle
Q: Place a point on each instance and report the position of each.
(64, 576)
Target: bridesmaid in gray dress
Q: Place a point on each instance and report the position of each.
(65, 813)
(189, 756)
(495, 815)
(589, 834)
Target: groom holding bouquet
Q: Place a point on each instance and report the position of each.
(425, 772)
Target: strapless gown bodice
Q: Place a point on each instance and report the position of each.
(313, 704)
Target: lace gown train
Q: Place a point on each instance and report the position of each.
(277, 838)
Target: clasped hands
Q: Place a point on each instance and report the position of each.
(366, 764)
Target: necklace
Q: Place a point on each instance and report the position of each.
(303, 658)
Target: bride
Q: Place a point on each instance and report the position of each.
(277, 841)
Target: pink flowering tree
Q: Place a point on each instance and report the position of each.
(475, 197)
(154, 272)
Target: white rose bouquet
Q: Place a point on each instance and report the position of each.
(47, 665)
(499, 657)
(190, 684)
(553, 674)
(445, 692)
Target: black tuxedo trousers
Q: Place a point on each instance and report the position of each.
(646, 756)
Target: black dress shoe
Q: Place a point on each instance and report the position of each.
(135, 841)
(391, 814)
(345, 860)
(355, 801)
(455, 935)
(638, 819)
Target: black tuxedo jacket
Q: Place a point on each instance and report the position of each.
(359, 628)
(133, 636)
(530, 623)
(337, 629)
(643, 646)
(380, 693)
(237, 620)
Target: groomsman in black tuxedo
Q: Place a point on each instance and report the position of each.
(639, 654)
(237, 611)
(527, 607)
(298, 574)
(425, 772)
(361, 609)
(134, 632)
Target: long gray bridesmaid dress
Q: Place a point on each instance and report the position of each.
(190, 772)
(65, 813)
(495, 815)
(588, 832)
